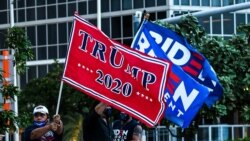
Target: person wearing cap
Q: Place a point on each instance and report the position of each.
(42, 129)
(127, 129)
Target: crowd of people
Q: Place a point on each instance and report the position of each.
(96, 127)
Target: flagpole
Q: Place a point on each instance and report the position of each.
(59, 97)
(99, 19)
(211, 12)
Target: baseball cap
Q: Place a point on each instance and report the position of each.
(40, 109)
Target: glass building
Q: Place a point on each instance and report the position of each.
(48, 23)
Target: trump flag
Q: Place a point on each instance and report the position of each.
(115, 74)
(189, 66)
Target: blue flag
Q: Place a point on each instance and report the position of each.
(197, 82)
(183, 96)
(173, 47)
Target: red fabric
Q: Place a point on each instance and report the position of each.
(115, 85)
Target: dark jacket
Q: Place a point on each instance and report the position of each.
(124, 133)
(96, 129)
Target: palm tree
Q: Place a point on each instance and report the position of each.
(73, 127)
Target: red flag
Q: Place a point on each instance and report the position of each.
(117, 75)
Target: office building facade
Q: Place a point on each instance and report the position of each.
(48, 23)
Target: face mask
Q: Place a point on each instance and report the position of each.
(124, 117)
(39, 123)
(108, 112)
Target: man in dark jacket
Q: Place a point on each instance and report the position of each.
(96, 125)
(42, 129)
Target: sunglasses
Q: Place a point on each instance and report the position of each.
(39, 115)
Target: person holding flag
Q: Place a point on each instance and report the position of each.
(42, 129)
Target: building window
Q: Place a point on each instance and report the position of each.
(20, 3)
(52, 34)
(23, 80)
(240, 19)
(127, 42)
(239, 1)
(41, 34)
(51, 1)
(161, 2)
(152, 16)
(116, 27)
(62, 32)
(185, 2)
(195, 2)
(51, 12)
(228, 2)
(216, 22)
(92, 6)
(115, 5)
(149, 3)
(21, 15)
(93, 21)
(161, 15)
(3, 5)
(127, 26)
(205, 22)
(3, 17)
(31, 33)
(2, 38)
(82, 8)
(30, 16)
(205, 2)
(71, 9)
(39, 2)
(248, 18)
(61, 1)
(228, 23)
(126, 4)
(138, 4)
(41, 13)
(34, 53)
(30, 3)
(176, 2)
(42, 71)
(216, 3)
(63, 51)
(52, 52)
(105, 5)
(31, 72)
(62, 10)
(106, 26)
(41, 53)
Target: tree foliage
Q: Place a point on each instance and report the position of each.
(19, 42)
(14, 40)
